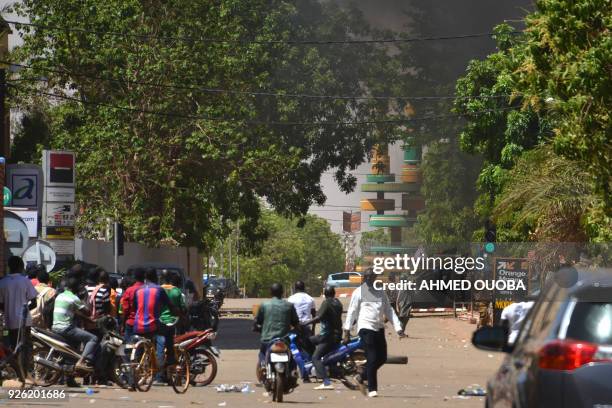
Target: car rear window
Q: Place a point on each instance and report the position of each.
(340, 276)
(591, 322)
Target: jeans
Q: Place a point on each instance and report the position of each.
(376, 354)
(323, 346)
(128, 333)
(160, 344)
(75, 335)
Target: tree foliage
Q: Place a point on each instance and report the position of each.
(172, 161)
(548, 87)
(289, 253)
(449, 190)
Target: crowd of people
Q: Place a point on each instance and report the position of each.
(369, 309)
(74, 307)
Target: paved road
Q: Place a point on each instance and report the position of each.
(441, 361)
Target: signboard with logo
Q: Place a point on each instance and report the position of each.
(26, 183)
(59, 214)
(516, 269)
(30, 219)
(59, 168)
(40, 253)
(63, 233)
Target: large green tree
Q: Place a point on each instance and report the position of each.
(290, 252)
(545, 93)
(160, 147)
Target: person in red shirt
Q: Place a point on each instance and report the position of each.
(127, 303)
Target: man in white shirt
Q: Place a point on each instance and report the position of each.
(369, 308)
(304, 304)
(16, 290)
(513, 316)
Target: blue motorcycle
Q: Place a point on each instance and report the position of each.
(343, 363)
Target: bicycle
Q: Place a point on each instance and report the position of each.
(13, 363)
(144, 366)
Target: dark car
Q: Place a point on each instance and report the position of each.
(225, 285)
(562, 357)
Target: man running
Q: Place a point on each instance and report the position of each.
(369, 308)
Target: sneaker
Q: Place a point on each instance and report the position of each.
(324, 387)
(159, 383)
(373, 394)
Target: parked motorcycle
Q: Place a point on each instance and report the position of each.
(343, 363)
(202, 353)
(53, 356)
(205, 314)
(278, 371)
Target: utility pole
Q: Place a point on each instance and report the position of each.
(3, 154)
(237, 254)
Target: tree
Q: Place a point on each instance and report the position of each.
(546, 87)
(130, 87)
(449, 190)
(289, 253)
(568, 70)
(552, 199)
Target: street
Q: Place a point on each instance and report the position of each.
(441, 361)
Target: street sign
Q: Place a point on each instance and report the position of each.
(59, 194)
(40, 253)
(26, 184)
(7, 196)
(62, 233)
(59, 214)
(15, 233)
(29, 217)
(212, 263)
(351, 221)
(515, 269)
(59, 168)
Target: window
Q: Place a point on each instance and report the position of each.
(591, 322)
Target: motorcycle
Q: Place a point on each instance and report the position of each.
(343, 363)
(277, 371)
(54, 356)
(204, 314)
(202, 353)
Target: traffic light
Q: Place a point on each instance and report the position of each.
(490, 233)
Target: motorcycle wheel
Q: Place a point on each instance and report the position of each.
(352, 366)
(279, 388)
(43, 376)
(179, 375)
(120, 374)
(207, 364)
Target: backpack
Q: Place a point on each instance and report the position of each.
(93, 315)
(37, 314)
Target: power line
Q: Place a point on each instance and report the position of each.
(198, 87)
(253, 41)
(247, 122)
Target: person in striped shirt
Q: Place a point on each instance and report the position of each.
(149, 302)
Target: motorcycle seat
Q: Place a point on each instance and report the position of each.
(52, 334)
(189, 335)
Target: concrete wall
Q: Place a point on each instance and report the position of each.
(101, 253)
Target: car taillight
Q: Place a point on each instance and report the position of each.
(569, 355)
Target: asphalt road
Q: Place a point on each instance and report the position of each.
(441, 361)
